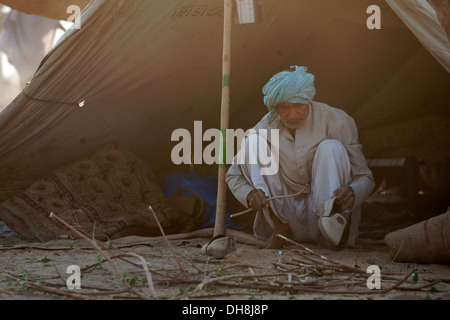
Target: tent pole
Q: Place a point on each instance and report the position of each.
(224, 119)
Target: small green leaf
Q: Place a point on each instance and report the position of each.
(415, 277)
(320, 268)
(433, 289)
(99, 258)
(219, 272)
(131, 281)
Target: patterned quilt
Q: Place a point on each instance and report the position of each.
(106, 195)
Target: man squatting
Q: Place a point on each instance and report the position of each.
(319, 148)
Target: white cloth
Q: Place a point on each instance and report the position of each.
(296, 155)
(331, 170)
(9, 77)
(26, 40)
(10, 84)
(423, 21)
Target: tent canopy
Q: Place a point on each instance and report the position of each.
(142, 69)
(55, 9)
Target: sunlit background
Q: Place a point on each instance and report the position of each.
(24, 41)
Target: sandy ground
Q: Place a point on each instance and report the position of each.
(32, 273)
(39, 271)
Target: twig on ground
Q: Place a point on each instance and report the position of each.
(58, 291)
(400, 282)
(345, 267)
(422, 286)
(208, 281)
(47, 289)
(168, 243)
(99, 249)
(59, 275)
(307, 249)
(193, 264)
(120, 256)
(147, 272)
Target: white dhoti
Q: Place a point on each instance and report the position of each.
(330, 170)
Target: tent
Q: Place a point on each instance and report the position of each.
(52, 9)
(138, 70)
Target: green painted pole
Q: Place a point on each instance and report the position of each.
(224, 119)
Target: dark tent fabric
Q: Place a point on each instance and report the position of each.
(137, 70)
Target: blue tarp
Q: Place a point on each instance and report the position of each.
(206, 187)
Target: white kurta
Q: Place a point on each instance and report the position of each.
(325, 155)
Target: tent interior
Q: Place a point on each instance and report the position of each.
(142, 69)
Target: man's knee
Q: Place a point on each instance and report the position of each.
(331, 145)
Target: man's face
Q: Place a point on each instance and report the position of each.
(292, 114)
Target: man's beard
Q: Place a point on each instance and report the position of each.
(294, 126)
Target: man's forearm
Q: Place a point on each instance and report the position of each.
(239, 186)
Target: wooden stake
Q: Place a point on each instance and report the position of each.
(225, 119)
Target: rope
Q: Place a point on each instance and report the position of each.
(79, 104)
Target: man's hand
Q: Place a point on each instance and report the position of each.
(257, 200)
(345, 198)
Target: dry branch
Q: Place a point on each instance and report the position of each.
(103, 254)
(168, 243)
(268, 200)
